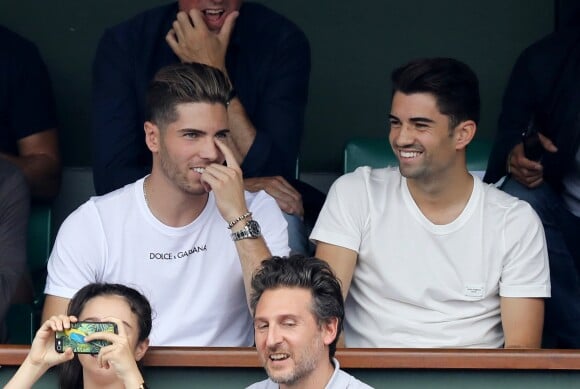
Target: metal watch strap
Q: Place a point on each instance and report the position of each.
(250, 231)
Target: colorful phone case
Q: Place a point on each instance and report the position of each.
(75, 337)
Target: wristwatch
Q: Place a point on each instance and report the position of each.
(251, 230)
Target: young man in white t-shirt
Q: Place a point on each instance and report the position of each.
(187, 235)
(428, 255)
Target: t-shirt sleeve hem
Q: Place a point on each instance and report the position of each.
(335, 239)
(525, 291)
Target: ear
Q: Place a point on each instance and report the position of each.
(464, 133)
(330, 330)
(152, 135)
(141, 349)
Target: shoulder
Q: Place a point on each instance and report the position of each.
(266, 384)
(259, 21)
(345, 380)
(369, 178)
(498, 199)
(17, 48)
(114, 202)
(500, 208)
(146, 23)
(10, 173)
(551, 50)
(253, 12)
(258, 197)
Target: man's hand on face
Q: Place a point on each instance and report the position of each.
(289, 199)
(192, 41)
(227, 184)
(527, 172)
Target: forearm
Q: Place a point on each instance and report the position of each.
(42, 171)
(251, 252)
(522, 322)
(27, 375)
(242, 130)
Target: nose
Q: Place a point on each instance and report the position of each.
(274, 336)
(402, 135)
(209, 150)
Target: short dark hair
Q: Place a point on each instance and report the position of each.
(71, 372)
(453, 84)
(303, 272)
(184, 83)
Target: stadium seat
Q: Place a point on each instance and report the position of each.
(377, 153)
(23, 318)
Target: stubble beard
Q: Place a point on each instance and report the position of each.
(177, 177)
(308, 361)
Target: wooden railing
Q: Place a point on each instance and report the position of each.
(13, 355)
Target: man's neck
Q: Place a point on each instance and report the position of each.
(170, 205)
(443, 199)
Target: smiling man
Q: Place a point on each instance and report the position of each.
(298, 314)
(187, 235)
(428, 255)
(265, 57)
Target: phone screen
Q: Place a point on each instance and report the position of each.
(74, 337)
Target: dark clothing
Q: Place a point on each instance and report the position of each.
(544, 85)
(26, 100)
(268, 61)
(14, 211)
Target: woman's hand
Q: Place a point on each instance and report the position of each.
(120, 354)
(42, 351)
(42, 355)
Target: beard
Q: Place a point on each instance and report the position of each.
(177, 176)
(305, 363)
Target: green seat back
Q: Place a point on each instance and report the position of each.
(23, 319)
(39, 237)
(377, 153)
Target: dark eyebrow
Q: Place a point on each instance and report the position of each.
(393, 117)
(225, 131)
(422, 120)
(183, 130)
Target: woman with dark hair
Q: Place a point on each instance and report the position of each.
(115, 366)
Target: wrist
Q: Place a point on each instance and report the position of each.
(235, 221)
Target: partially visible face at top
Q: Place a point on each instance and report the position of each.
(214, 11)
(186, 146)
(420, 136)
(102, 308)
(291, 344)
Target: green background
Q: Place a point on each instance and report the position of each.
(355, 46)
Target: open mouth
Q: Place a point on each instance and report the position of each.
(279, 357)
(409, 154)
(213, 14)
(200, 170)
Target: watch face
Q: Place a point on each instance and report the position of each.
(253, 228)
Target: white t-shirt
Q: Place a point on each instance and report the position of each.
(339, 380)
(417, 284)
(191, 275)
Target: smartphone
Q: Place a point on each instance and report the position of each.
(533, 148)
(74, 337)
